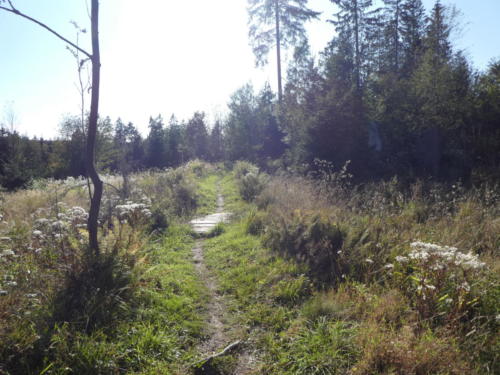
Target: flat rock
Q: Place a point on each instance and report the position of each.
(206, 223)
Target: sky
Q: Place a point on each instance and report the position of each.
(162, 57)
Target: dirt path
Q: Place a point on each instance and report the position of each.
(216, 307)
(219, 330)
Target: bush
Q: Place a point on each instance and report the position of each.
(97, 295)
(255, 222)
(242, 168)
(309, 237)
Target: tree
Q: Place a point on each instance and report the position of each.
(95, 60)
(175, 146)
(155, 144)
(412, 33)
(196, 137)
(356, 25)
(279, 23)
(216, 143)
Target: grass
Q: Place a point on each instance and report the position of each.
(309, 269)
(371, 318)
(142, 312)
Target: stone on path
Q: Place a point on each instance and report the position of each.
(207, 223)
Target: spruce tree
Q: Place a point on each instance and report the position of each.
(277, 23)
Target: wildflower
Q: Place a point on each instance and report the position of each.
(11, 283)
(58, 225)
(431, 287)
(448, 300)
(389, 266)
(8, 252)
(368, 260)
(401, 259)
(62, 216)
(38, 251)
(37, 233)
(465, 286)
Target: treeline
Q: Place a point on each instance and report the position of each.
(390, 93)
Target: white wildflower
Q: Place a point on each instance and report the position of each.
(62, 216)
(448, 300)
(389, 266)
(11, 283)
(465, 286)
(8, 252)
(42, 222)
(37, 233)
(401, 259)
(368, 260)
(58, 225)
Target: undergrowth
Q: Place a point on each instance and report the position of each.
(331, 278)
(135, 308)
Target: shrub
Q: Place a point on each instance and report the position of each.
(309, 237)
(438, 279)
(251, 185)
(96, 295)
(255, 222)
(242, 168)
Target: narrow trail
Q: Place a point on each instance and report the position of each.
(219, 329)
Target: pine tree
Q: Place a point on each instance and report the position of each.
(357, 25)
(412, 33)
(277, 23)
(155, 144)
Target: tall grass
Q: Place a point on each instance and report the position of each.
(418, 312)
(62, 309)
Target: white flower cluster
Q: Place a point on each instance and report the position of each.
(133, 213)
(441, 256)
(66, 220)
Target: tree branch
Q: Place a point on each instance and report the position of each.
(21, 14)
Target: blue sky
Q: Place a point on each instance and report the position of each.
(162, 56)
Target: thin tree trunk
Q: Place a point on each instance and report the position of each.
(396, 36)
(278, 50)
(95, 202)
(356, 42)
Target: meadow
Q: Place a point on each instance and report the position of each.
(319, 275)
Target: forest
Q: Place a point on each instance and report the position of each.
(401, 101)
(346, 224)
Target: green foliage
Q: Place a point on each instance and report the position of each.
(96, 295)
(312, 238)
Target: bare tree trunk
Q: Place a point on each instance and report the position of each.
(95, 202)
(278, 50)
